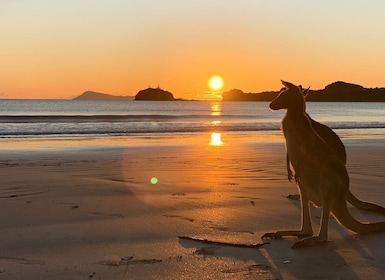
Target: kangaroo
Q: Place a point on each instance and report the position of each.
(321, 175)
(334, 142)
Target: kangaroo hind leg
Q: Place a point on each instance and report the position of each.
(330, 197)
(322, 234)
(306, 227)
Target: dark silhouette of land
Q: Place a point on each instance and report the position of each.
(335, 92)
(92, 95)
(154, 94)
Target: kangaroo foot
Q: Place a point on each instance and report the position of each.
(271, 235)
(282, 233)
(309, 241)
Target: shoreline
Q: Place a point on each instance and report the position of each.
(91, 211)
(40, 143)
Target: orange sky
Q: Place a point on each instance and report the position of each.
(58, 49)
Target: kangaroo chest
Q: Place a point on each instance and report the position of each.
(299, 141)
(300, 149)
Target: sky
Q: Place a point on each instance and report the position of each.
(58, 49)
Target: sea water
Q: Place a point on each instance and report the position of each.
(94, 119)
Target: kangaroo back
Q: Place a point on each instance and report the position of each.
(331, 138)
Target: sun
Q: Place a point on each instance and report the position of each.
(216, 82)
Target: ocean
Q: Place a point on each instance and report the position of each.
(96, 119)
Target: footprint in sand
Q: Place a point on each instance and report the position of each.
(180, 217)
(226, 229)
(17, 192)
(22, 261)
(128, 261)
(112, 215)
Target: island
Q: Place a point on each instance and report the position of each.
(154, 94)
(334, 92)
(92, 95)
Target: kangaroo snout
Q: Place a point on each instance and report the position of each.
(273, 106)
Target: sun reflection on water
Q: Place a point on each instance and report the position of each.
(216, 139)
(216, 109)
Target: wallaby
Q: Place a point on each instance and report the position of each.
(334, 142)
(320, 173)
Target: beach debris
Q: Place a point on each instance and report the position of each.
(287, 261)
(219, 243)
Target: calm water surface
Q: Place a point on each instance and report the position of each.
(92, 119)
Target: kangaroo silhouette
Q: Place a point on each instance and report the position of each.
(320, 172)
(334, 142)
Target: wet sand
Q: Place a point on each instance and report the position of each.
(116, 209)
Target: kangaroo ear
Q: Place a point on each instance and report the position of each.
(305, 92)
(288, 85)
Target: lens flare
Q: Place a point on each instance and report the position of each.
(154, 180)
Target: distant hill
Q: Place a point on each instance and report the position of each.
(92, 95)
(335, 92)
(154, 94)
(239, 95)
(346, 92)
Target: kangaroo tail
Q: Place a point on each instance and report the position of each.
(363, 204)
(341, 212)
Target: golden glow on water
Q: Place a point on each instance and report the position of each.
(216, 139)
(216, 109)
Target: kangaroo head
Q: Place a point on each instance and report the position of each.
(305, 91)
(290, 97)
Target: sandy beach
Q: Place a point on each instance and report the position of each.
(115, 209)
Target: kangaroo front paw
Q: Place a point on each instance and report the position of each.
(272, 235)
(282, 233)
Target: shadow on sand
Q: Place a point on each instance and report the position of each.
(352, 258)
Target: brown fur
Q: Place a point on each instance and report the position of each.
(335, 143)
(319, 170)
